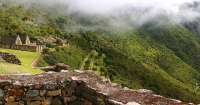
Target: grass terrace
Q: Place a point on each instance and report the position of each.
(25, 57)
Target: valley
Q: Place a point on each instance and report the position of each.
(162, 56)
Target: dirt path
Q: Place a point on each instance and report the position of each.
(86, 60)
(34, 63)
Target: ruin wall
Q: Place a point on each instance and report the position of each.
(9, 57)
(5, 46)
(73, 88)
(31, 47)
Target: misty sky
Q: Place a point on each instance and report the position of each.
(93, 6)
(133, 11)
(138, 11)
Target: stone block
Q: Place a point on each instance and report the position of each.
(5, 83)
(56, 101)
(99, 101)
(73, 85)
(62, 86)
(32, 93)
(76, 103)
(88, 90)
(38, 98)
(50, 86)
(10, 99)
(12, 103)
(80, 87)
(30, 86)
(7, 87)
(15, 92)
(132, 103)
(85, 95)
(21, 102)
(34, 103)
(69, 99)
(37, 86)
(54, 93)
(46, 102)
(86, 102)
(69, 93)
(18, 98)
(112, 102)
(100, 95)
(1, 93)
(43, 92)
(17, 85)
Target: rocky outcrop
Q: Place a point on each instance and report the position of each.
(57, 68)
(9, 57)
(73, 88)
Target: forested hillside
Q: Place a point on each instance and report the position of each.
(163, 57)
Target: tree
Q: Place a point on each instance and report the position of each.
(46, 51)
(50, 45)
(87, 62)
(106, 74)
(94, 69)
(58, 41)
(102, 69)
(57, 48)
(96, 64)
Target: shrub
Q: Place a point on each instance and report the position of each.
(96, 64)
(94, 69)
(58, 41)
(42, 63)
(50, 45)
(102, 69)
(87, 62)
(57, 48)
(46, 51)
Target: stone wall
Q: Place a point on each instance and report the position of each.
(40, 47)
(57, 68)
(73, 88)
(32, 47)
(9, 57)
(8, 46)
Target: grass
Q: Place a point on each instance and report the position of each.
(25, 57)
(7, 68)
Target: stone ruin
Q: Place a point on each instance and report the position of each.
(9, 57)
(19, 43)
(73, 88)
(57, 68)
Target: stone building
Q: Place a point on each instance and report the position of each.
(19, 43)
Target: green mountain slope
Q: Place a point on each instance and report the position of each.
(163, 58)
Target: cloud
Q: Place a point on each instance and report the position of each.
(137, 11)
(130, 12)
(102, 6)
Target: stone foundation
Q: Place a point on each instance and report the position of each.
(72, 88)
(9, 57)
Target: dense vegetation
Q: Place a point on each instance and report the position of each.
(72, 56)
(164, 59)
